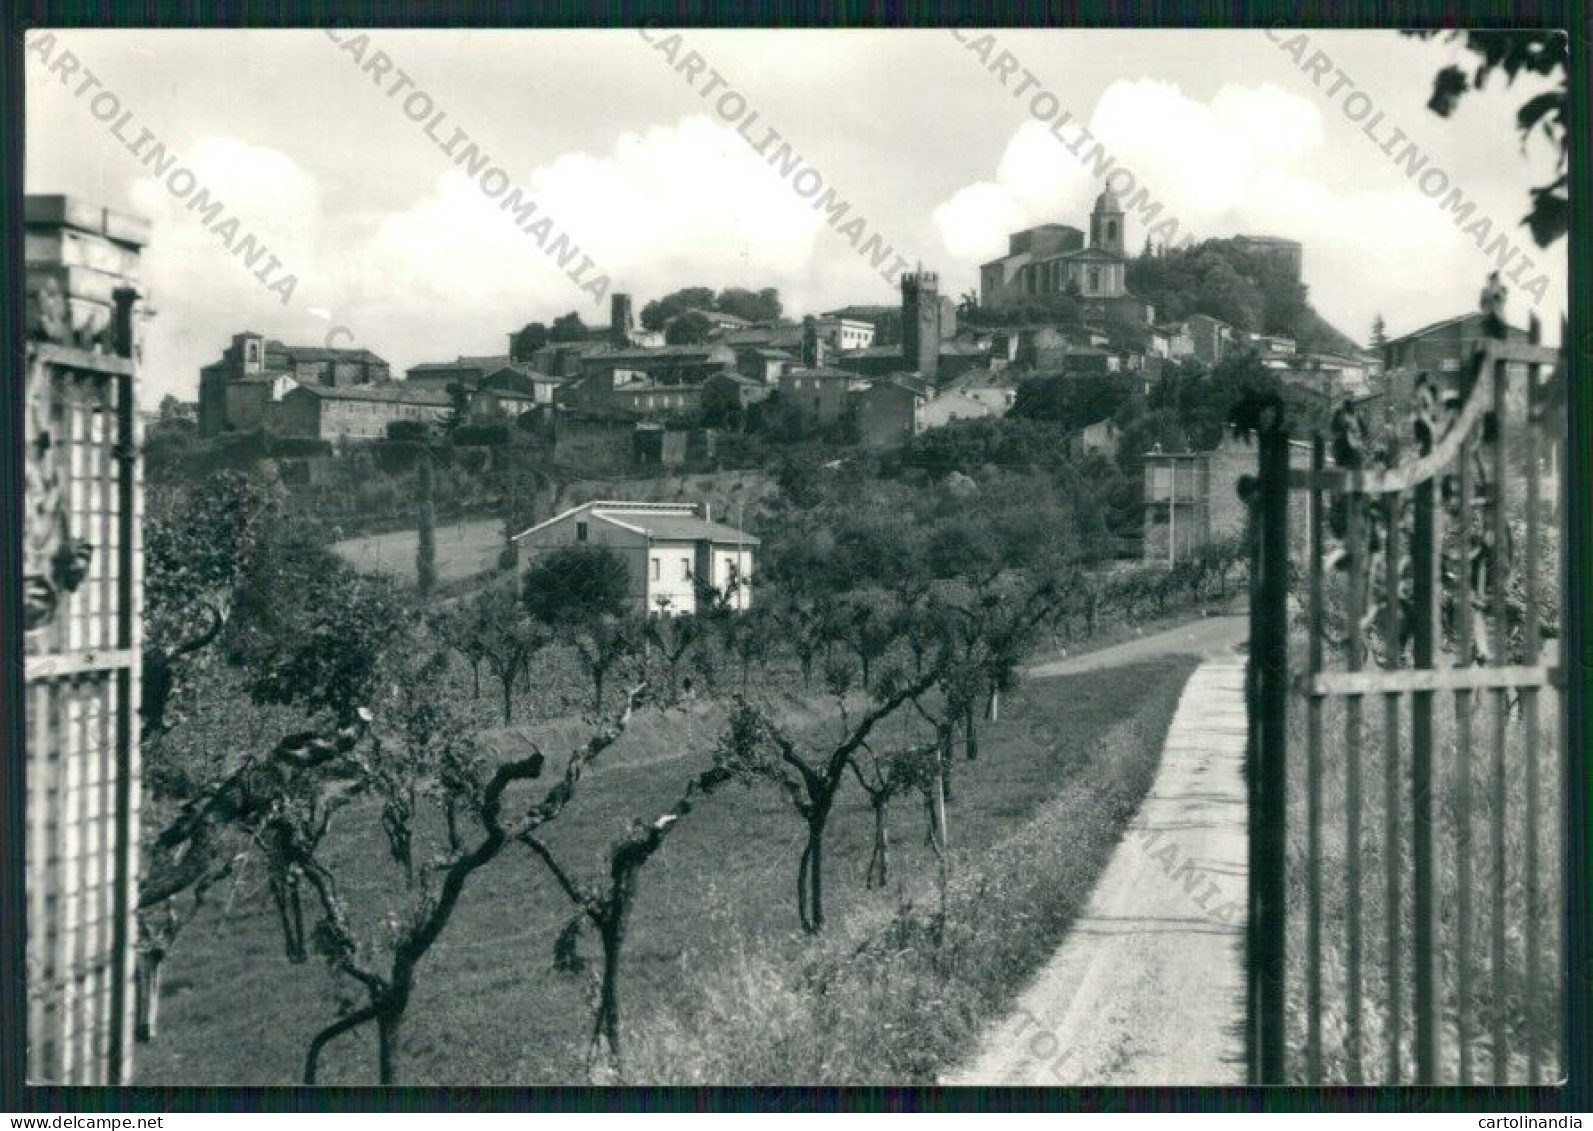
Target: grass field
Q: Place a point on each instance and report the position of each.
(463, 550)
(1032, 822)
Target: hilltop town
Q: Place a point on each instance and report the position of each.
(1110, 354)
(1094, 666)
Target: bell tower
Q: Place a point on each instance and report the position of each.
(1106, 224)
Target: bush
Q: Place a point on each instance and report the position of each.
(574, 585)
(287, 447)
(477, 435)
(409, 430)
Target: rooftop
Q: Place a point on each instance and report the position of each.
(659, 353)
(678, 522)
(825, 370)
(489, 362)
(1442, 324)
(395, 391)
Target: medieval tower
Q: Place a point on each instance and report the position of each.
(921, 322)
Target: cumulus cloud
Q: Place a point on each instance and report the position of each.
(677, 205)
(1249, 160)
(1203, 162)
(272, 200)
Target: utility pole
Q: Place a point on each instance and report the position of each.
(1172, 511)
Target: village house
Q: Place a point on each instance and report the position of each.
(1172, 340)
(633, 392)
(521, 379)
(763, 364)
(357, 412)
(818, 393)
(1212, 338)
(894, 410)
(1329, 374)
(248, 398)
(1192, 498)
(1272, 346)
(733, 392)
(563, 359)
(464, 371)
(1098, 439)
(499, 404)
(669, 549)
(666, 365)
(658, 445)
(846, 334)
(262, 362)
(990, 387)
(780, 336)
(1439, 347)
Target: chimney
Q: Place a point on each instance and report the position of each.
(707, 512)
(620, 323)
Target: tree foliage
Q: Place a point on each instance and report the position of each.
(576, 584)
(1513, 54)
(567, 328)
(689, 329)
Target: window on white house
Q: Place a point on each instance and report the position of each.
(580, 532)
(657, 569)
(685, 569)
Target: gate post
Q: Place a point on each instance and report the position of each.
(1269, 689)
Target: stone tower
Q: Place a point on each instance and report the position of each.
(812, 343)
(921, 323)
(620, 321)
(1106, 224)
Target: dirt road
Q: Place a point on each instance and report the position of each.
(1210, 636)
(1148, 986)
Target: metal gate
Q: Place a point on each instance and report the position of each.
(1406, 771)
(81, 589)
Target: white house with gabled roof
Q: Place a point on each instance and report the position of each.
(666, 548)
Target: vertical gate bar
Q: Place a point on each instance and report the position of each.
(1353, 606)
(1463, 703)
(1425, 534)
(1496, 575)
(1562, 764)
(1391, 791)
(1529, 712)
(1253, 807)
(1313, 786)
(1274, 738)
(126, 755)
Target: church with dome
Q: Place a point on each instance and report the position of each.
(1053, 259)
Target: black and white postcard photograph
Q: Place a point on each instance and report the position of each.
(957, 557)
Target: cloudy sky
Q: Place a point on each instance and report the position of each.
(385, 236)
